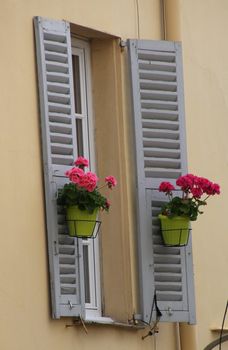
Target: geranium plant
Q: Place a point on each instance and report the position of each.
(82, 190)
(194, 194)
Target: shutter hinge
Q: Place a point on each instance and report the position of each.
(123, 43)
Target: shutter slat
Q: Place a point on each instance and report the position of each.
(59, 98)
(56, 67)
(161, 163)
(160, 124)
(60, 128)
(59, 139)
(158, 85)
(59, 117)
(59, 108)
(157, 75)
(160, 114)
(55, 56)
(159, 66)
(160, 143)
(59, 150)
(153, 55)
(160, 156)
(158, 95)
(159, 104)
(58, 77)
(59, 88)
(161, 153)
(150, 132)
(55, 46)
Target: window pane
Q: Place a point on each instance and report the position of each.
(77, 88)
(86, 273)
(79, 137)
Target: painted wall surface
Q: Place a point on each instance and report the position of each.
(25, 321)
(203, 32)
(201, 26)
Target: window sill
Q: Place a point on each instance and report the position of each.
(104, 321)
(218, 329)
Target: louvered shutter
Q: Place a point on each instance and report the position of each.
(54, 62)
(158, 108)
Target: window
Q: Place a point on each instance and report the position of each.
(67, 131)
(85, 147)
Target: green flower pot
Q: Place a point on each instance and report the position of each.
(175, 230)
(80, 223)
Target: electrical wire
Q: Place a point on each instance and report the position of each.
(137, 13)
(163, 18)
(155, 342)
(223, 322)
(153, 329)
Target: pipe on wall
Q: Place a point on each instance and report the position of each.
(171, 19)
(171, 28)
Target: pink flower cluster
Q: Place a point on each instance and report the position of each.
(79, 177)
(81, 162)
(75, 175)
(87, 180)
(197, 186)
(111, 181)
(166, 187)
(193, 185)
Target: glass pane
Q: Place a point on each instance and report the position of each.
(86, 273)
(77, 89)
(79, 137)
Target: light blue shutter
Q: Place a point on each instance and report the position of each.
(158, 108)
(54, 62)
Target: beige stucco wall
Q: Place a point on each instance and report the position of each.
(25, 321)
(206, 91)
(202, 28)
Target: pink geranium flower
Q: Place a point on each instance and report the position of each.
(111, 181)
(81, 161)
(186, 182)
(75, 175)
(82, 190)
(88, 181)
(216, 189)
(194, 191)
(166, 187)
(197, 192)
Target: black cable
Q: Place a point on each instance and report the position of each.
(155, 304)
(223, 321)
(153, 329)
(152, 308)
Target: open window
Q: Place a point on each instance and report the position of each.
(67, 117)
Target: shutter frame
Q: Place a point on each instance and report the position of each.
(169, 110)
(60, 246)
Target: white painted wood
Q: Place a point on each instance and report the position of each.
(160, 144)
(81, 48)
(53, 45)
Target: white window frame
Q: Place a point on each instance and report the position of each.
(81, 48)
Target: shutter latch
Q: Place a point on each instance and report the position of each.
(70, 305)
(169, 311)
